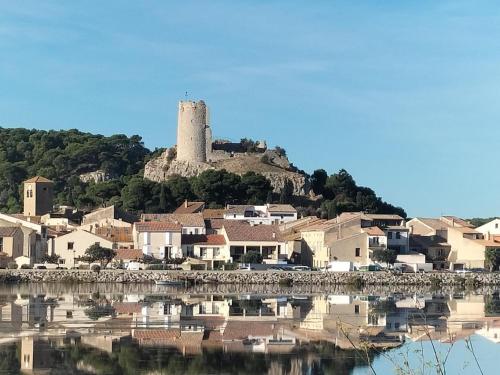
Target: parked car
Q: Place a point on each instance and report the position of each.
(301, 268)
(338, 266)
(478, 270)
(135, 266)
(463, 271)
(370, 268)
(246, 268)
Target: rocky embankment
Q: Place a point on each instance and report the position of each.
(251, 278)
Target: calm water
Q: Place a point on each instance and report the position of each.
(137, 329)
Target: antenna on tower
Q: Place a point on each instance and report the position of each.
(186, 95)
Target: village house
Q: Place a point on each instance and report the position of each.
(490, 229)
(191, 223)
(107, 217)
(242, 237)
(159, 239)
(211, 249)
(352, 237)
(71, 247)
(264, 214)
(35, 236)
(435, 248)
(467, 245)
(190, 208)
(11, 245)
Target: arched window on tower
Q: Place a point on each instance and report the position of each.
(29, 192)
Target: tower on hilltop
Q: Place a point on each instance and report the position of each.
(194, 137)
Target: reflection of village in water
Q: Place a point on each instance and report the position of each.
(189, 325)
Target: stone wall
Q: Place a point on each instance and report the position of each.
(254, 278)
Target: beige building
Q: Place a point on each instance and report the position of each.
(242, 237)
(161, 240)
(11, 244)
(211, 248)
(35, 235)
(72, 246)
(109, 217)
(351, 237)
(38, 196)
(467, 245)
(192, 223)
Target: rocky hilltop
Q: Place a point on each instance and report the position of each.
(275, 167)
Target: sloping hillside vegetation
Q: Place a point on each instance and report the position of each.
(64, 155)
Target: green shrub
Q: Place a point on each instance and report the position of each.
(230, 266)
(12, 266)
(95, 268)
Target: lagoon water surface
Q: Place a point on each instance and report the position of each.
(146, 329)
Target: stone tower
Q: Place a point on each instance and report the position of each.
(38, 196)
(192, 131)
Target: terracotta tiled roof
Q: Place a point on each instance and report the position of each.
(373, 231)
(281, 208)
(215, 223)
(8, 231)
(433, 223)
(125, 308)
(190, 207)
(157, 226)
(242, 231)
(38, 179)
(241, 330)
(157, 334)
(186, 220)
(203, 239)
(115, 234)
(384, 217)
(238, 209)
(128, 254)
(213, 213)
(30, 219)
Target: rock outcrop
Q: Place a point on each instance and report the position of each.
(274, 166)
(96, 176)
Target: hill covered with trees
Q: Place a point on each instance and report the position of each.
(64, 155)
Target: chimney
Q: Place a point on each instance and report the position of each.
(274, 235)
(186, 203)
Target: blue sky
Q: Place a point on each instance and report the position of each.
(402, 94)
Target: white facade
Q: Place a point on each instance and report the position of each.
(491, 228)
(398, 238)
(266, 214)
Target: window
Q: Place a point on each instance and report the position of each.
(358, 252)
(397, 325)
(1, 244)
(71, 245)
(196, 231)
(203, 252)
(496, 225)
(398, 235)
(216, 252)
(356, 309)
(69, 314)
(389, 235)
(29, 192)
